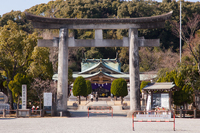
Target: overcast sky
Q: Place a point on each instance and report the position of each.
(9, 5)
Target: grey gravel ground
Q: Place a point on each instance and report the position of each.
(94, 124)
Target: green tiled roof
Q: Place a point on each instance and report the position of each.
(143, 76)
(89, 63)
(98, 65)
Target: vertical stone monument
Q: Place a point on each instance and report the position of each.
(24, 96)
(24, 111)
(72, 97)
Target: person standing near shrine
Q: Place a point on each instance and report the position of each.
(96, 96)
(91, 97)
(33, 108)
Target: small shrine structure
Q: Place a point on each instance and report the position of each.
(159, 95)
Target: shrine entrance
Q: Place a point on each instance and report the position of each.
(98, 24)
(102, 92)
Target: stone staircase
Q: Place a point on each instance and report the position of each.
(116, 105)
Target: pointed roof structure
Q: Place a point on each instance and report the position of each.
(161, 86)
(89, 66)
(105, 71)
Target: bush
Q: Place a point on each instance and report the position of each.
(119, 88)
(89, 87)
(79, 87)
(143, 84)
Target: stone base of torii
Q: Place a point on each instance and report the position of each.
(133, 42)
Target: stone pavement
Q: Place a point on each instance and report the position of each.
(93, 125)
(97, 103)
(96, 123)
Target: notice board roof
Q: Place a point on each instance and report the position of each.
(169, 86)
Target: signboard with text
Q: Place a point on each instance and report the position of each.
(24, 96)
(153, 116)
(160, 100)
(156, 100)
(165, 100)
(47, 99)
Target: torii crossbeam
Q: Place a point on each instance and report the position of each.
(133, 42)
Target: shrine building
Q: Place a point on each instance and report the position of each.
(101, 73)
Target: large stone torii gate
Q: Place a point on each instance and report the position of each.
(133, 42)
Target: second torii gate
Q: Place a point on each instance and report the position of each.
(133, 42)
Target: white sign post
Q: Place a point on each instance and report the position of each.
(148, 103)
(165, 100)
(24, 96)
(47, 104)
(47, 99)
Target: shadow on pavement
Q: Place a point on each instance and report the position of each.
(85, 114)
(7, 118)
(78, 114)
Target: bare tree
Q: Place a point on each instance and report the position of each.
(169, 59)
(149, 59)
(39, 86)
(153, 60)
(53, 56)
(188, 34)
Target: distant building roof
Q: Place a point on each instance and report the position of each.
(110, 68)
(90, 63)
(143, 76)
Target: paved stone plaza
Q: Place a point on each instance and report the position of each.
(94, 124)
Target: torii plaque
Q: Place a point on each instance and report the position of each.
(133, 42)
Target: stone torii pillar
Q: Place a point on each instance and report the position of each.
(134, 70)
(62, 92)
(133, 42)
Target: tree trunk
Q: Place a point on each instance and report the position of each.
(194, 93)
(194, 101)
(121, 100)
(199, 60)
(18, 102)
(184, 111)
(199, 67)
(10, 98)
(79, 99)
(116, 98)
(40, 104)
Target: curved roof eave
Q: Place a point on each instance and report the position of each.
(77, 21)
(92, 75)
(98, 64)
(161, 86)
(95, 74)
(112, 69)
(106, 74)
